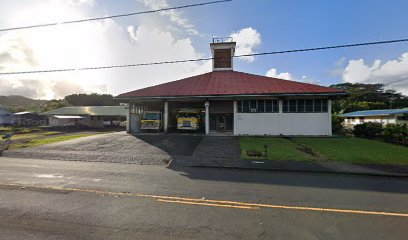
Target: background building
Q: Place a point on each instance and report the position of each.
(6, 117)
(384, 116)
(87, 116)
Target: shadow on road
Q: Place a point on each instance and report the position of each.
(173, 144)
(184, 145)
(316, 180)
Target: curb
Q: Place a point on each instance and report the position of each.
(317, 167)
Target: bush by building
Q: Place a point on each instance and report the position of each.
(396, 133)
(369, 130)
(393, 133)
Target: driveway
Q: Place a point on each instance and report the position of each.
(143, 149)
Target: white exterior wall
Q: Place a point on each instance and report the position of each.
(282, 123)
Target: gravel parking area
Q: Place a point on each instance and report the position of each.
(120, 147)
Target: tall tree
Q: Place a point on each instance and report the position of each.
(368, 97)
(93, 99)
(53, 104)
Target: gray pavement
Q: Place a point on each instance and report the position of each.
(183, 150)
(113, 147)
(32, 208)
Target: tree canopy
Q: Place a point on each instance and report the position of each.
(368, 97)
(93, 99)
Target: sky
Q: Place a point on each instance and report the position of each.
(256, 25)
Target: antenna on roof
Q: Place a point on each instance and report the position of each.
(221, 39)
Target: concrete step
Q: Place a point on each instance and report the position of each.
(212, 150)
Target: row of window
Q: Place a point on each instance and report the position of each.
(289, 106)
(304, 105)
(258, 106)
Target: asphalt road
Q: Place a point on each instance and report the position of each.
(45, 199)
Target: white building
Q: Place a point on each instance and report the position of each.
(385, 116)
(237, 102)
(6, 117)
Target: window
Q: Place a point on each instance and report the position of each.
(285, 106)
(252, 104)
(258, 106)
(304, 105)
(300, 105)
(317, 105)
(261, 106)
(309, 105)
(288, 106)
(403, 118)
(292, 106)
(268, 106)
(246, 106)
(324, 105)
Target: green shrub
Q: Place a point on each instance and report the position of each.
(396, 133)
(369, 130)
(337, 125)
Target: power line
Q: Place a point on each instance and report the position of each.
(205, 59)
(113, 16)
(400, 80)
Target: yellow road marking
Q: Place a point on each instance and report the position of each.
(207, 204)
(282, 206)
(213, 202)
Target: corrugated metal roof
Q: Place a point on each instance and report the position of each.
(382, 112)
(89, 110)
(21, 113)
(67, 117)
(219, 83)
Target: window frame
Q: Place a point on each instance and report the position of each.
(261, 105)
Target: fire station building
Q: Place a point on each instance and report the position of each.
(237, 103)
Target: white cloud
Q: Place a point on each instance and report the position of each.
(98, 43)
(274, 73)
(132, 33)
(247, 40)
(40, 88)
(75, 3)
(174, 15)
(392, 73)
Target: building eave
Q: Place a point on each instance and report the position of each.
(229, 96)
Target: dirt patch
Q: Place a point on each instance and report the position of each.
(307, 150)
(254, 153)
(4, 145)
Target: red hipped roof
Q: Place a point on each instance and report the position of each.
(218, 83)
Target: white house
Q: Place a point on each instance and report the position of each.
(237, 102)
(385, 116)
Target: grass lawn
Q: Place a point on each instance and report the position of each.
(6, 129)
(42, 141)
(278, 148)
(33, 135)
(357, 150)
